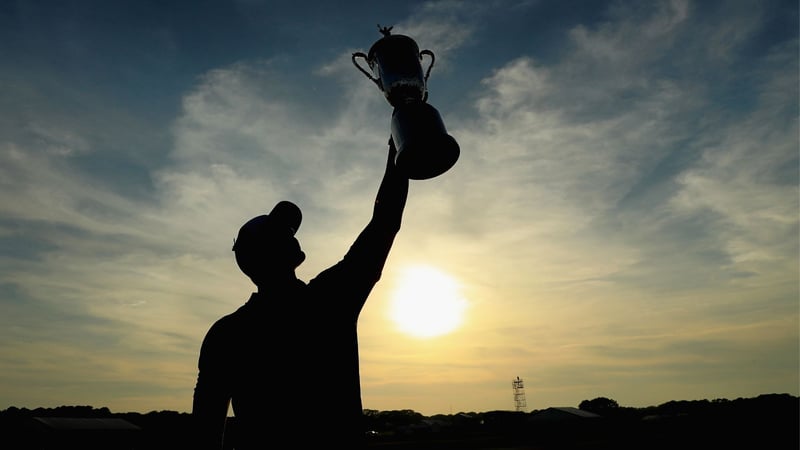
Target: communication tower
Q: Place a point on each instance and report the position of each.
(519, 394)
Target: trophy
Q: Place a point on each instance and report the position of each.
(424, 149)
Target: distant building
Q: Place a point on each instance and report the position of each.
(91, 433)
(563, 413)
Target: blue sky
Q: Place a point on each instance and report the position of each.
(622, 221)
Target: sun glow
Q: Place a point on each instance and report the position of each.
(427, 302)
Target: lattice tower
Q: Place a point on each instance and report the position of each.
(519, 394)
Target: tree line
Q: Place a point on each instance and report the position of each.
(766, 419)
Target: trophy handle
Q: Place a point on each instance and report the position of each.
(427, 72)
(358, 66)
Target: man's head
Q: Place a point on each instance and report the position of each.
(266, 248)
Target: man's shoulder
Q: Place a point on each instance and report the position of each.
(233, 318)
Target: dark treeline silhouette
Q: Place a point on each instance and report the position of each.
(767, 421)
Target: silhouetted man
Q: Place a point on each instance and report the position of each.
(287, 360)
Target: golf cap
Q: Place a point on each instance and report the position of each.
(283, 221)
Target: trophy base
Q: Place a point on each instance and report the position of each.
(424, 149)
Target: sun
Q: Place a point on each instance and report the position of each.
(427, 302)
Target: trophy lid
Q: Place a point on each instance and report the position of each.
(391, 42)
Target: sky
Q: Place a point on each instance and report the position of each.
(622, 220)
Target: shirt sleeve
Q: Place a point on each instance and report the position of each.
(211, 394)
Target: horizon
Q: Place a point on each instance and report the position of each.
(715, 400)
